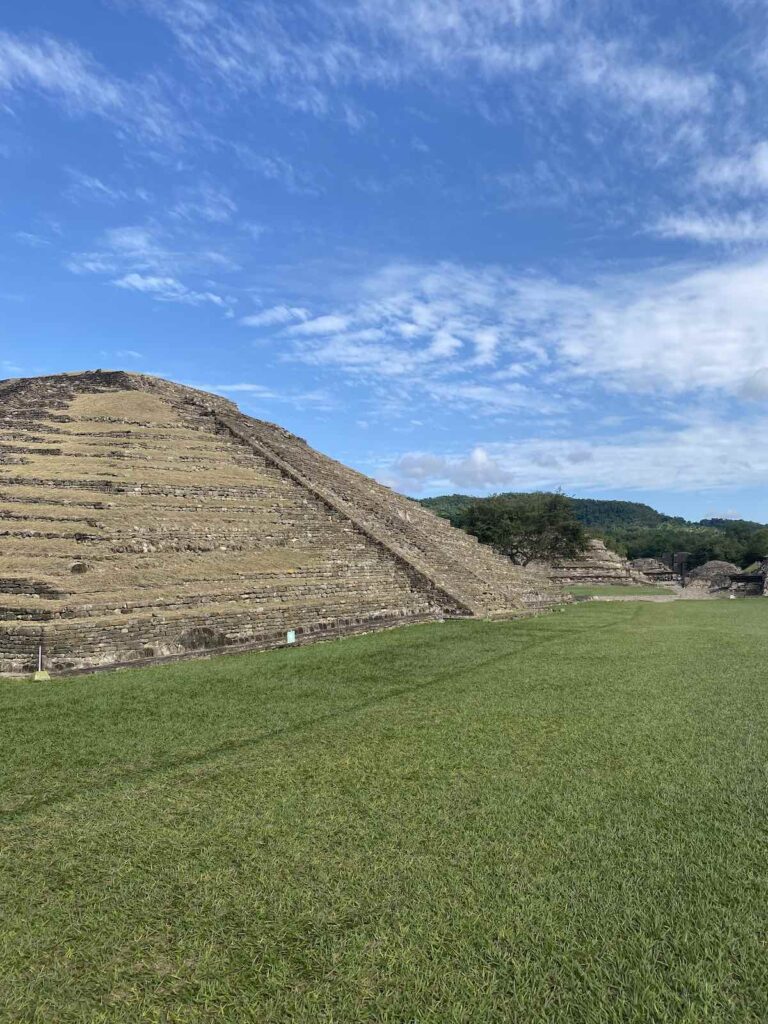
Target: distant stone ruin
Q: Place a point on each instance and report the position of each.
(141, 519)
(598, 566)
(713, 577)
(750, 584)
(655, 570)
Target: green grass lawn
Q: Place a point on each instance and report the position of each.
(554, 820)
(617, 589)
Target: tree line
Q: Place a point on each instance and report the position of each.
(526, 527)
(549, 526)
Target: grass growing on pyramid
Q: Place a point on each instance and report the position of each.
(141, 519)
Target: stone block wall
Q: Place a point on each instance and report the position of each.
(142, 519)
(598, 566)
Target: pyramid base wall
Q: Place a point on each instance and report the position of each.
(68, 648)
(72, 648)
(597, 579)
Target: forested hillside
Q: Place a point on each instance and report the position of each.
(591, 512)
(639, 531)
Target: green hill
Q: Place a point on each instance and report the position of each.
(639, 531)
(610, 515)
(591, 512)
(449, 506)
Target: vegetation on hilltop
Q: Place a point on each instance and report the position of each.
(450, 506)
(704, 543)
(639, 531)
(618, 515)
(527, 526)
(590, 512)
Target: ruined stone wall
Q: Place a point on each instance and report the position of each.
(142, 519)
(751, 584)
(747, 586)
(598, 566)
(713, 577)
(655, 570)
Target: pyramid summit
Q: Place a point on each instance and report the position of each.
(142, 519)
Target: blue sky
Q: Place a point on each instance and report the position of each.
(462, 245)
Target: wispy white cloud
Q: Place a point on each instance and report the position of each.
(670, 332)
(31, 239)
(618, 74)
(478, 471)
(491, 397)
(277, 168)
(387, 43)
(60, 70)
(495, 340)
(249, 389)
(745, 227)
(138, 258)
(204, 202)
(745, 172)
(321, 325)
(71, 77)
(122, 353)
(168, 289)
(543, 184)
(89, 187)
(316, 397)
(699, 456)
(275, 316)
(146, 248)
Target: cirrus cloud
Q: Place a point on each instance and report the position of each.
(702, 455)
(68, 75)
(452, 329)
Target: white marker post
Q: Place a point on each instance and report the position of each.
(41, 675)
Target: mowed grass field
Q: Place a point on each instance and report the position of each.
(556, 820)
(618, 590)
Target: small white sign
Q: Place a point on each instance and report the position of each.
(290, 636)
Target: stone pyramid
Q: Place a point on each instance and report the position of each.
(142, 519)
(597, 566)
(656, 570)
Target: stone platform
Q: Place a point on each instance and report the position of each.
(140, 519)
(597, 566)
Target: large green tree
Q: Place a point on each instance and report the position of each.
(632, 529)
(527, 527)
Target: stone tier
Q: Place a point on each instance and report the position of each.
(655, 570)
(141, 519)
(598, 566)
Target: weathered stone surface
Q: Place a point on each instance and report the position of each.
(655, 570)
(201, 528)
(597, 566)
(712, 577)
(748, 584)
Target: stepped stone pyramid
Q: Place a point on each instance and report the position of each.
(140, 519)
(598, 565)
(655, 570)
